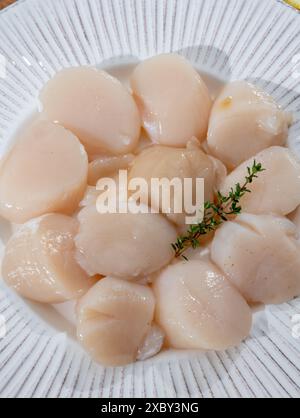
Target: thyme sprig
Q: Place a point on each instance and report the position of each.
(215, 213)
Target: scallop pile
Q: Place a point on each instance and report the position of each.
(134, 298)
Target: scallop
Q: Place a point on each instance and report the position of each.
(152, 343)
(173, 100)
(199, 309)
(39, 261)
(220, 172)
(96, 107)
(107, 166)
(295, 218)
(90, 197)
(244, 121)
(161, 162)
(125, 245)
(261, 257)
(276, 190)
(46, 171)
(114, 318)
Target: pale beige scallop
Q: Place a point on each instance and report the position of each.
(276, 190)
(244, 121)
(161, 162)
(39, 261)
(123, 244)
(152, 343)
(261, 257)
(90, 197)
(107, 166)
(96, 107)
(220, 172)
(198, 308)
(173, 100)
(114, 318)
(46, 171)
(295, 218)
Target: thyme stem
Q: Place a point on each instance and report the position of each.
(215, 213)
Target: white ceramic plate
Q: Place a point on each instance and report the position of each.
(256, 40)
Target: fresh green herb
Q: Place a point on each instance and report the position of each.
(215, 213)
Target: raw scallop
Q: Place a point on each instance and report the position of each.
(172, 98)
(46, 171)
(261, 257)
(107, 166)
(152, 344)
(114, 318)
(96, 107)
(276, 190)
(90, 197)
(244, 121)
(199, 309)
(163, 162)
(123, 245)
(39, 261)
(295, 218)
